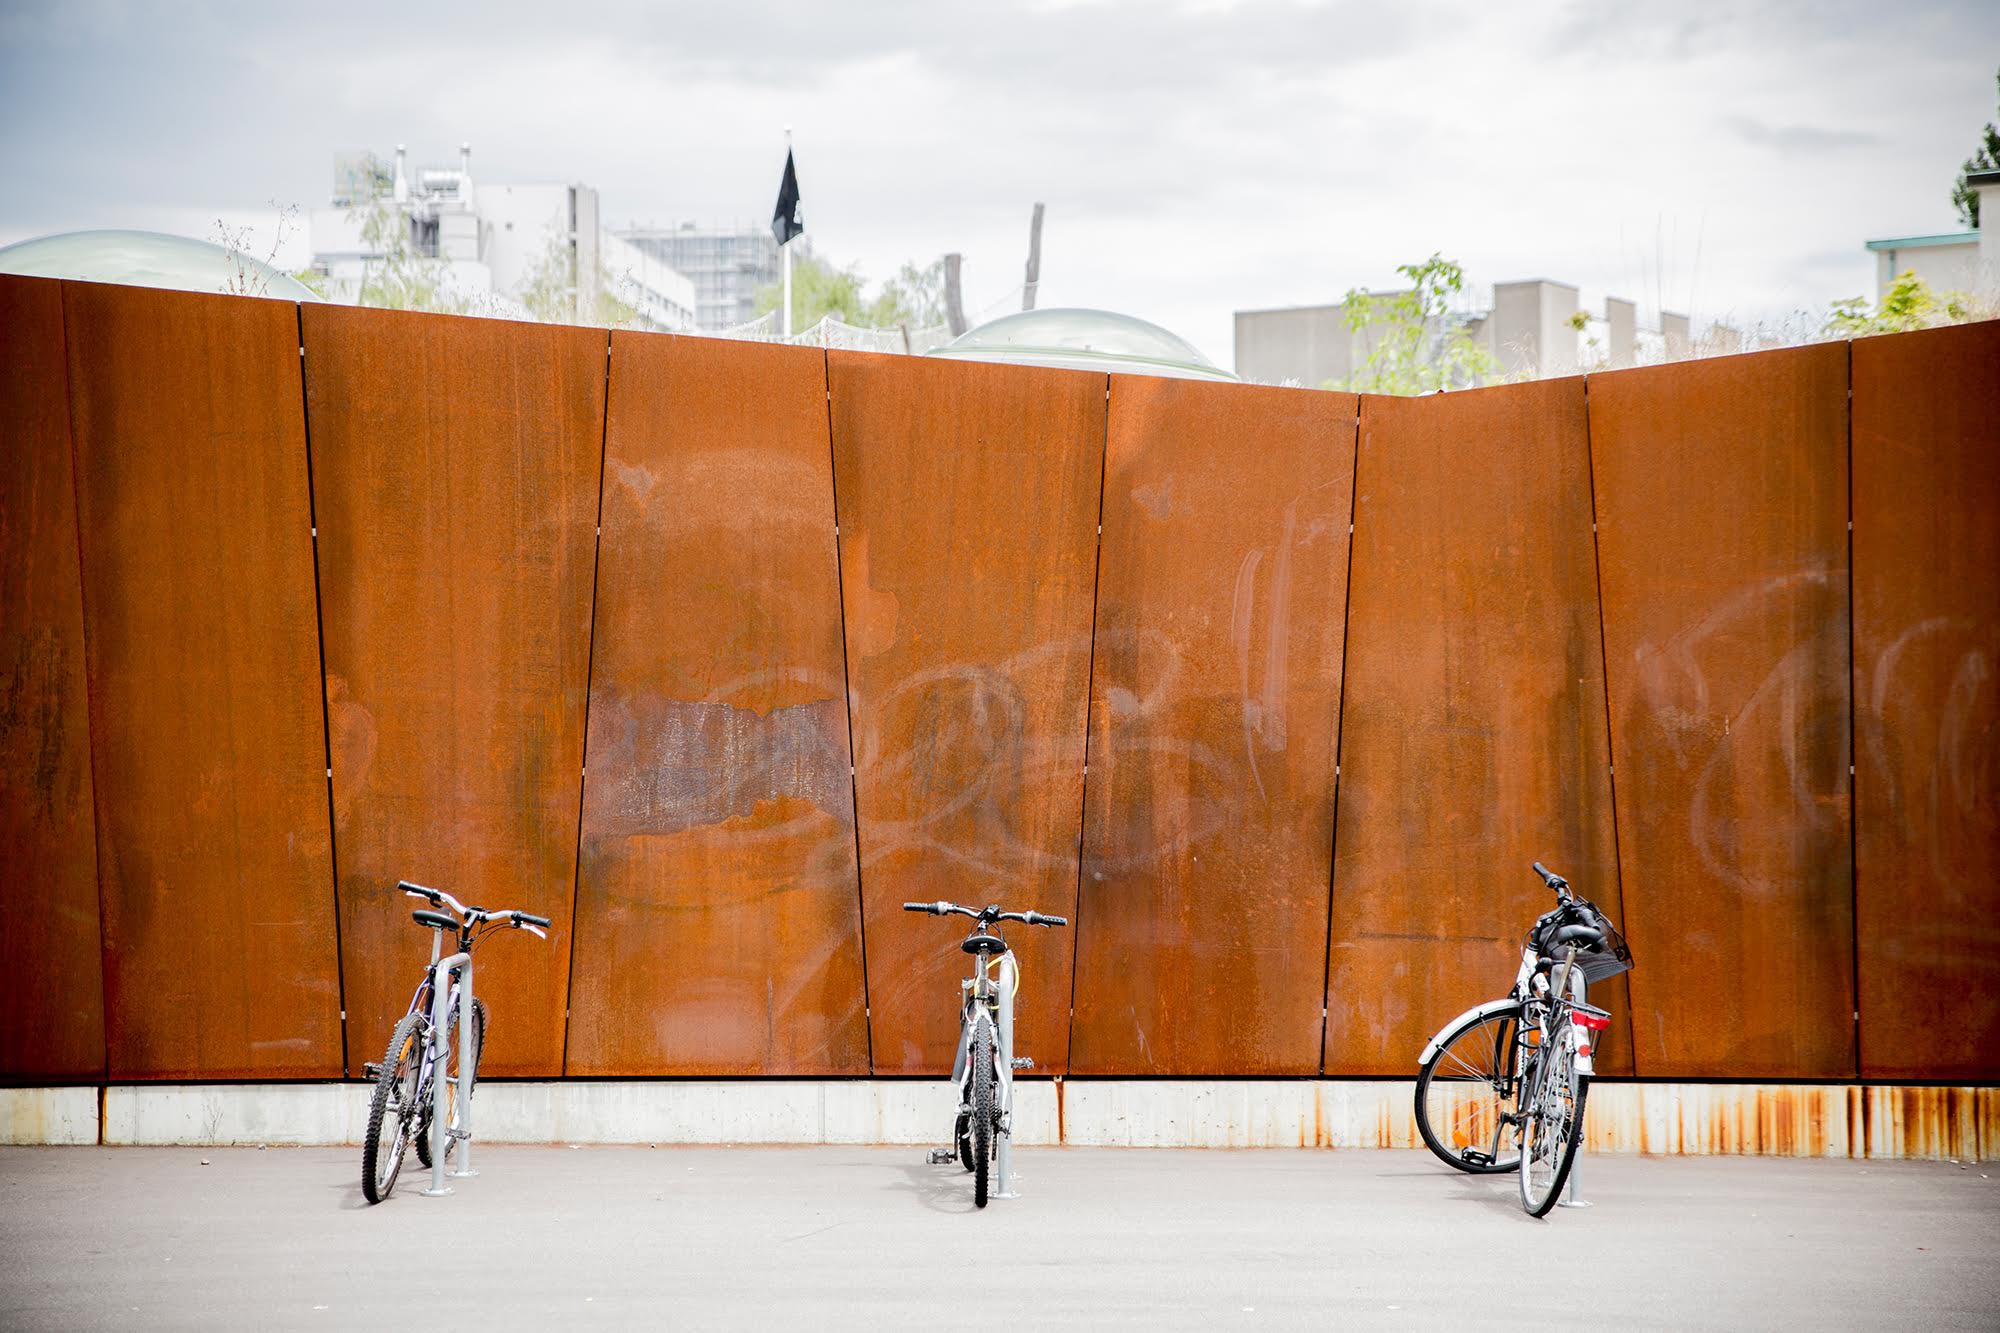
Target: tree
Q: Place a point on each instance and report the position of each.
(1419, 346)
(818, 290)
(1908, 304)
(914, 297)
(399, 278)
(1984, 158)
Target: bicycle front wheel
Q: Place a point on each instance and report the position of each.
(1466, 1095)
(393, 1109)
(983, 1115)
(1551, 1124)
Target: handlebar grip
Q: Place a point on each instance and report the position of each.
(919, 907)
(1543, 871)
(530, 919)
(417, 890)
(1053, 921)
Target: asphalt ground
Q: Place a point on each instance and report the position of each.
(873, 1237)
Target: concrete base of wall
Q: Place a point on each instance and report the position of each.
(1785, 1120)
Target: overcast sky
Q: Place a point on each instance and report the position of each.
(1199, 158)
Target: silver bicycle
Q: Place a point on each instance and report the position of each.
(983, 1069)
(409, 1090)
(1502, 1086)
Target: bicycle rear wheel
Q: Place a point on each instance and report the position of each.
(1466, 1093)
(1551, 1124)
(981, 1055)
(393, 1109)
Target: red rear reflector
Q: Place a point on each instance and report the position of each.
(1591, 1021)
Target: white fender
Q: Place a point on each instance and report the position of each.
(1491, 1007)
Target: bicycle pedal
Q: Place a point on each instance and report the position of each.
(371, 1070)
(941, 1156)
(458, 1133)
(1023, 1062)
(1476, 1157)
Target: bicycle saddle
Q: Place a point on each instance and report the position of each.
(437, 919)
(983, 943)
(1583, 937)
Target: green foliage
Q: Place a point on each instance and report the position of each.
(1418, 345)
(1908, 304)
(818, 290)
(548, 293)
(914, 297)
(1984, 158)
(400, 278)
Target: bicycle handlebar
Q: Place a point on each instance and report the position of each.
(942, 908)
(1552, 879)
(472, 916)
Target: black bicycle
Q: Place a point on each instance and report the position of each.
(401, 1108)
(983, 1069)
(1502, 1086)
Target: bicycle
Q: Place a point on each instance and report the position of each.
(403, 1104)
(983, 1069)
(1502, 1086)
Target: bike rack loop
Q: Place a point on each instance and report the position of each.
(1010, 980)
(440, 1131)
(1569, 1199)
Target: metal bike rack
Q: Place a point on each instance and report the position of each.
(1010, 980)
(1569, 1199)
(441, 1135)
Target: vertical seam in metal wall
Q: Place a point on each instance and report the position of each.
(1340, 728)
(1604, 666)
(1853, 754)
(89, 696)
(589, 665)
(1089, 688)
(325, 711)
(847, 706)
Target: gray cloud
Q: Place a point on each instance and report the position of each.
(1797, 138)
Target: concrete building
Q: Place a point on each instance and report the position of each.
(1959, 261)
(535, 249)
(726, 264)
(1531, 329)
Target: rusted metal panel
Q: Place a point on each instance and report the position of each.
(455, 476)
(968, 498)
(1473, 730)
(1722, 544)
(206, 725)
(1962, 1124)
(718, 910)
(51, 954)
(1215, 697)
(1926, 704)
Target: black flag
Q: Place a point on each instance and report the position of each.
(789, 219)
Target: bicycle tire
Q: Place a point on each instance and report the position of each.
(981, 1055)
(1465, 1091)
(962, 1132)
(1557, 1079)
(396, 1087)
(479, 1032)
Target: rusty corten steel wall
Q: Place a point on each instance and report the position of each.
(718, 910)
(1722, 537)
(967, 497)
(51, 960)
(1473, 737)
(206, 730)
(1926, 712)
(455, 479)
(1215, 703)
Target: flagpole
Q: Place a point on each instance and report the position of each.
(785, 251)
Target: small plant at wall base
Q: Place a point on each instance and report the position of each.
(1417, 345)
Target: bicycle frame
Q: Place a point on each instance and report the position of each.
(996, 995)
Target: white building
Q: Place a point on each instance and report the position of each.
(525, 250)
(728, 265)
(1962, 261)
